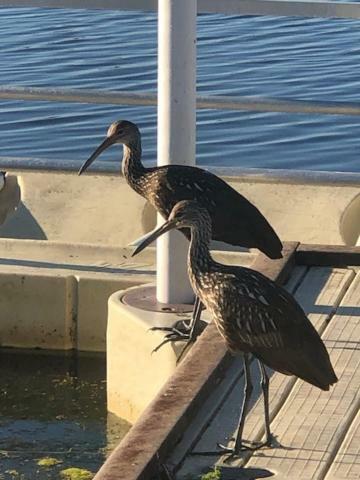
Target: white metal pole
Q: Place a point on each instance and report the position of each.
(176, 130)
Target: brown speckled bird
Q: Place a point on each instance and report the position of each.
(252, 313)
(234, 219)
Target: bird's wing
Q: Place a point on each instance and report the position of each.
(259, 313)
(190, 183)
(256, 315)
(235, 219)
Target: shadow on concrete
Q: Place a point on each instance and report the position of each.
(22, 224)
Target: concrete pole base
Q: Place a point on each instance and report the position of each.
(134, 373)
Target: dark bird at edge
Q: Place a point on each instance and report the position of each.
(252, 313)
(234, 219)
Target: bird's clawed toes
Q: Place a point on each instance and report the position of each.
(181, 327)
(239, 448)
(173, 336)
(181, 331)
(171, 330)
(234, 451)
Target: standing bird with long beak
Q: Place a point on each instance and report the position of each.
(252, 313)
(234, 219)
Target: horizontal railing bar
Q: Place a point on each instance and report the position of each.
(145, 5)
(45, 165)
(314, 8)
(203, 102)
(276, 105)
(77, 95)
(310, 8)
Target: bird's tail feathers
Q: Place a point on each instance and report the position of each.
(312, 364)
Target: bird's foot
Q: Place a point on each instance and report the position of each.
(244, 446)
(181, 331)
(180, 327)
(236, 450)
(173, 336)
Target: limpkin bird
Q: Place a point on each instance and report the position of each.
(234, 219)
(252, 313)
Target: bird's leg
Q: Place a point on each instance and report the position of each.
(181, 330)
(247, 391)
(189, 326)
(238, 446)
(265, 388)
(248, 388)
(194, 329)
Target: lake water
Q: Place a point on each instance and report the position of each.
(53, 415)
(309, 59)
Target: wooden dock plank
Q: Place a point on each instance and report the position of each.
(346, 465)
(312, 424)
(328, 255)
(320, 292)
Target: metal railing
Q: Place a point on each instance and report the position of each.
(220, 102)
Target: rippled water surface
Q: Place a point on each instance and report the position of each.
(309, 59)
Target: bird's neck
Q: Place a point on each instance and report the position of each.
(132, 168)
(199, 258)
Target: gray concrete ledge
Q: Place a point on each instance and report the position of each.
(309, 207)
(54, 295)
(104, 168)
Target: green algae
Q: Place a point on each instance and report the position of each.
(76, 474)
(212, 475)
(48, 462)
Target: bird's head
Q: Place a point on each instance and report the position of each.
(185, 214)
(188, 213)
(122, 131)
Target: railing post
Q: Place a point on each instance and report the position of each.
(176, 129)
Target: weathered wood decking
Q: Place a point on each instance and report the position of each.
(318, 433)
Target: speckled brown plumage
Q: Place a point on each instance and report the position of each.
(234, 219)
(252, 313)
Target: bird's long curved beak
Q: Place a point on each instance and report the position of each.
(105, 144)
(165, 227)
